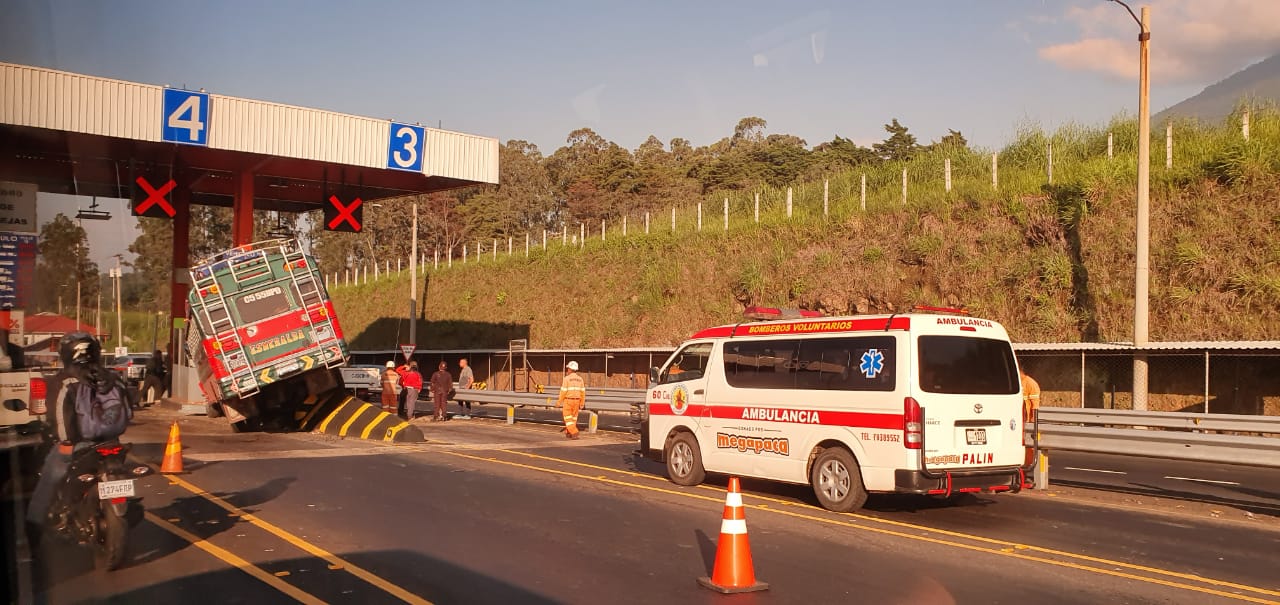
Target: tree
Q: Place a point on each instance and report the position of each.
(748, 130)
(953, 139)
(899, 146)
(64, 263)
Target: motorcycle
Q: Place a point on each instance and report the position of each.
(97, 503)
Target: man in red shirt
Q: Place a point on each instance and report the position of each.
(411, 381)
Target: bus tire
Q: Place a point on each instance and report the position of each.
(684, 461)
(837, 481)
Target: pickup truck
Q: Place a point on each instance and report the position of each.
(362, 379)
(22, 401)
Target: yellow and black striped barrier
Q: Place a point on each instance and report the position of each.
(351, 417)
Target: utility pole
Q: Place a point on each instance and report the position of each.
(1142, 268)
(413, 282)
(117, 274)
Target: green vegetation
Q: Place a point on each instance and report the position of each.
(1051, 262)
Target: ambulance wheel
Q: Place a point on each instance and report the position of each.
(837, 481)
(684, 462)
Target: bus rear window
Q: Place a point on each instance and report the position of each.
(967, 365)
(254, 307)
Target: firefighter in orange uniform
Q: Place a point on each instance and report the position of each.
(1030, 403)
(390, 381)
(573, 393)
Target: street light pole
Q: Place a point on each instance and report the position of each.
(413, 282)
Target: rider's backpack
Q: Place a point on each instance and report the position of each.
(102, 414)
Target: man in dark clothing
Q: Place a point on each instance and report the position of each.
(81, 357)
(441, 383)
(156, 384)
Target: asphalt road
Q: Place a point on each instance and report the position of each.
(486, 513)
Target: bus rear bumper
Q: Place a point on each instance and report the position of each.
(961, 481)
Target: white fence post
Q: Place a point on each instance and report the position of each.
(726, 214)
(904, 186)
(1110, 145)
(699, 216)
(624, 225)
(602, 230)
(450, 256)
(347, 274)
(509, 242)
(1168, 146)
(398, 265)
(757, 206)
(864, 192)
(646, 222)
(947, 168)
(825, 197)
(526, 243)
(582, 235)
(544, 239)
(564, 234)
(673, 219)
(464, 254)
(375, 270)
(1050, 162)
(437, 267)
(788, 202)
(995, 173)
(1244, 124)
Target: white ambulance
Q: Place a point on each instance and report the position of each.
(921, 403)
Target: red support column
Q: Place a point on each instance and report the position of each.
(181, 280)
(242, 219)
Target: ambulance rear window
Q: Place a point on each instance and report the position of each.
(965, 365)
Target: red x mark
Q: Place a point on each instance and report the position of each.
(155, 196)
(345, 213)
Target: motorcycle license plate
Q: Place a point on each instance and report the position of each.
(976, 436)
(115, 489)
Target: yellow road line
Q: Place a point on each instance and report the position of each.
(890, 532)
(955, 534)
(231, 559)
(308, 547)
(377, 419)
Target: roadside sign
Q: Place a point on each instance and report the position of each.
(185, 117)
(17, 207)
(343, 217)
(404, 149)
(408, 351)
(18, 253)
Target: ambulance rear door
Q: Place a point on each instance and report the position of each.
(968, 388)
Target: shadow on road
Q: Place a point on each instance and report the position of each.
(1141, 489)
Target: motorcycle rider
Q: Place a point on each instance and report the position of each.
(81, 356)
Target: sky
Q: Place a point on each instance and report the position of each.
(538, 70)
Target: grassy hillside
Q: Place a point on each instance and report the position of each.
(1051, 262)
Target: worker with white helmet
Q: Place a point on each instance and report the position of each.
(390, 384)
(573, 393)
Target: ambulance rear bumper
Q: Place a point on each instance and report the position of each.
(959, 481)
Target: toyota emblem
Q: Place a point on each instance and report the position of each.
(977, 408)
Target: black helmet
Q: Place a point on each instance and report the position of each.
(79, 348)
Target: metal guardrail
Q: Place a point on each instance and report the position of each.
(1215, 438)
(598, 400)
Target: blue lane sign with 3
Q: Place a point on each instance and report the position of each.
(185, 117)
(404, 152)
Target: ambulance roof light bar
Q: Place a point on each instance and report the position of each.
(759, 313)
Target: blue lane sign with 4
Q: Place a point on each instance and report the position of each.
(404, 152)
(185, 117)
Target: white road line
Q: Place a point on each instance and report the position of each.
(1093, 470)
(1204, 481)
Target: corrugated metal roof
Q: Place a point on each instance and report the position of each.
(1201, 345)
(58, 100)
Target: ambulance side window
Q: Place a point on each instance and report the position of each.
(862, 363)
(762, 364)
(690, 363)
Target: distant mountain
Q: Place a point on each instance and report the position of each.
(1260, 81)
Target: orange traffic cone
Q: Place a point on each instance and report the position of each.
(734, 571)
(172, 462)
